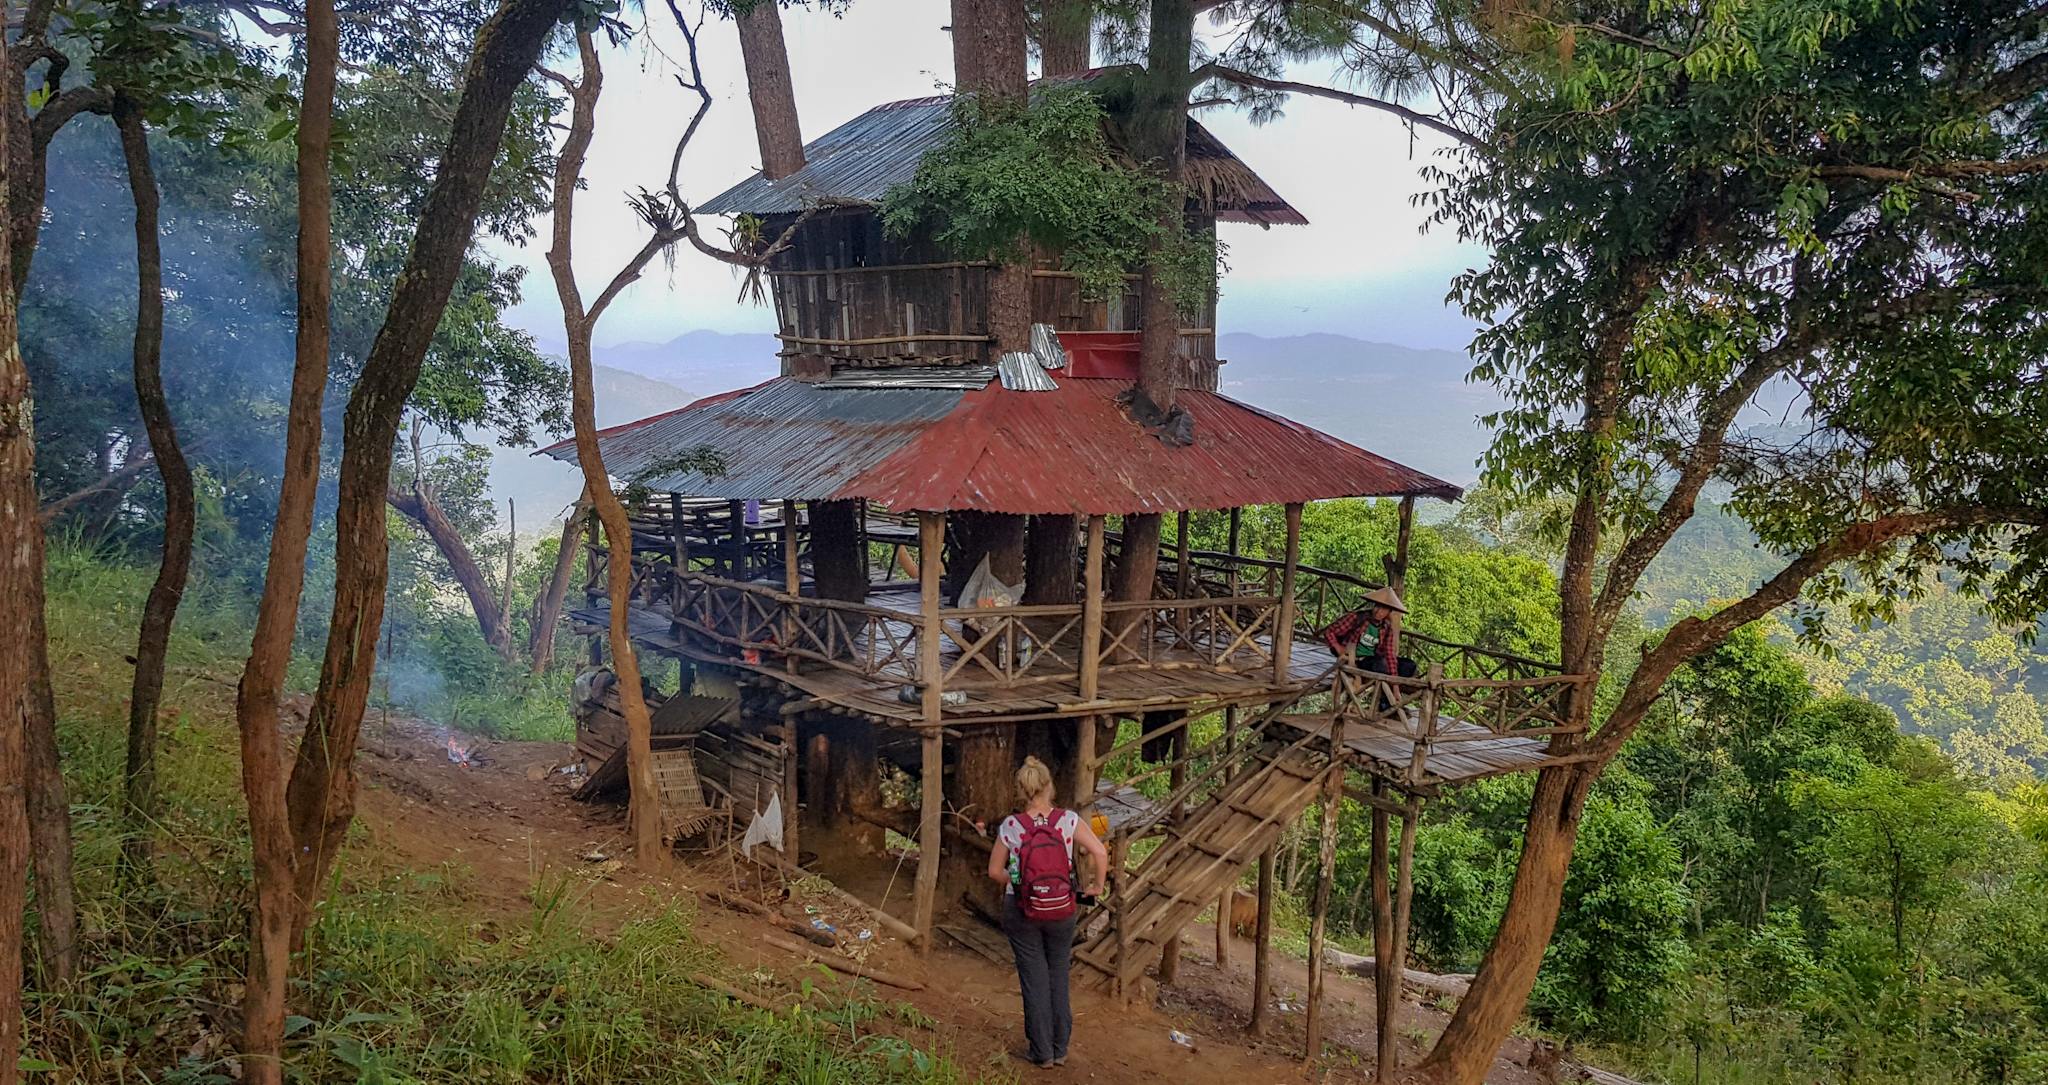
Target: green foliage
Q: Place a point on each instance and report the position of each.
(409, 976)
(1619, 943)
(1894, 841)
(1045, 173)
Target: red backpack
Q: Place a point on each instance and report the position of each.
(1045, 868)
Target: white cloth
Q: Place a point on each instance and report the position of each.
(766, 828)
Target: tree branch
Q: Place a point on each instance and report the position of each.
(1246, 79)
(122, 479)
(1692, 635)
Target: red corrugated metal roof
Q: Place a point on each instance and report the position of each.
(1073, 451)
(1070, 450)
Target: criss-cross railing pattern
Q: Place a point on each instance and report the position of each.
(1006, 646)
(1228, 634)
(763, 624)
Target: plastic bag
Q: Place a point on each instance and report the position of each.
(984, 590)
(766, 828)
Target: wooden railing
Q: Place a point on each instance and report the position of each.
(1425, 705)
(1222, 634)
(1006, 646)
(761, 624)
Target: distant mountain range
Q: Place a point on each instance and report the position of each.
(1406, 404)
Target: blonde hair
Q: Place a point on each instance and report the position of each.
(1033, 780)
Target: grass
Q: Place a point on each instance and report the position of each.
(405, 979)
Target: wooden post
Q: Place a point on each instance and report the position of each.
(792, 582)
(1223, 902)
(1326, 872)
(682, 555)
(1385, 995)
(1091, 662)
(591, 580)
(1180, 569)
(1262, 976)
(736, 547)
(1177, 777)
(931, 533)
(1236, 524)
(792, 805)
(1404, 891)
(1283, 633)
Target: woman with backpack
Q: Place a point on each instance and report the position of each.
(1034, 859)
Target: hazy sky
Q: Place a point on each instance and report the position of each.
(1361, 268)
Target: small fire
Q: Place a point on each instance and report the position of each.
(458, 753)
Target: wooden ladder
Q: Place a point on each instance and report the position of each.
(1209, 850)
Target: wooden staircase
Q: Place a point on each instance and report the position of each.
(1265, 787)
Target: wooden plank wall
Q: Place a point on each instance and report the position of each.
(814, 303)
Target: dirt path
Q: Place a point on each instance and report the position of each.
(507, 817)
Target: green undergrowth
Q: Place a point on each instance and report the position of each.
(408, 976)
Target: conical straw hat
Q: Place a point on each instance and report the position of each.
(1386, 597)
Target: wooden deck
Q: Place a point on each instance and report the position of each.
(1458, 753)
(1171, 678)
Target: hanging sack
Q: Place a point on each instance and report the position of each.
(1045, 870)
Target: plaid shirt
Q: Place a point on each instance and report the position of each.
(1344, 635)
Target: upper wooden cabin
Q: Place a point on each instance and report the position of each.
(847, 295)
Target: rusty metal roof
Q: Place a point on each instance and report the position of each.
(1066, 450)
(779, 440)
(861, 159)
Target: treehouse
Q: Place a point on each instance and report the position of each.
(905, 564)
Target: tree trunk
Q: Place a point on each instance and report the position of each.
(542, 649)
(21, 605)
(1159, 127)
(161, 608)
(1486, 1014)
(768, 88)
(1137, 565)
(645, 802)
(258, 696)
(997, 536)
(838, 564)
(1064, 35)
(321, 795)
(1052, 558)
(49, 818)
(991, 60)
(422, 506)
(983, 787)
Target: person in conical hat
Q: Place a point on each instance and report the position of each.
(1371, 635)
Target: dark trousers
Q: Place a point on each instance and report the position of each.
(1045, 953)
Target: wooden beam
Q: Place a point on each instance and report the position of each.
(1091, 661)
(1326, 873)
(1262, 944)
(1386, 996)
(1223, 902)
(1283, 633)
(1404, 891)
(931, 527)
(792, 581)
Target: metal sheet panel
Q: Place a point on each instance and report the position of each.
(858, 160)
(779, 440)
(1071, 450)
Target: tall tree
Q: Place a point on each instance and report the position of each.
(160, 609)
(320, 795)
(769, 87)
(21, 606)
(1065, 32)
(261, 690)
(991, 60)
(1686, 204)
